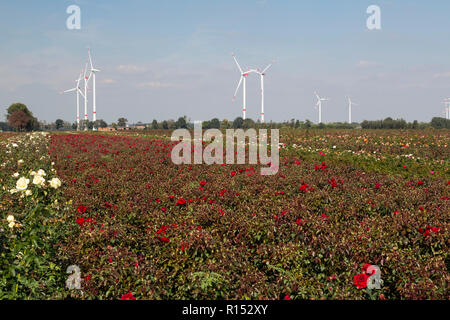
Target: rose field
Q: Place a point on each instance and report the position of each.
(140, 227)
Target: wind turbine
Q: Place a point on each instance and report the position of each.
(262, 74)
(92, 73)
(350, 104)
(78, 90)
(242, 79)
(446, 102)
(86, 80)
(319, 105)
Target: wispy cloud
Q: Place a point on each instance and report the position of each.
(441, 75)
(367, 64)
(157, 84)
(131, 68)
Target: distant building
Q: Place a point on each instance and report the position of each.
(107, 129)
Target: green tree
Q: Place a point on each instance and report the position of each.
(225, 124)
(181, 123)
(100, 123)
(59, 123)
(154, 124)
(16, 107)
(206, 124)
(440, 123)
(214, 123)
(248, 123)
(122, 122)
(238, 123)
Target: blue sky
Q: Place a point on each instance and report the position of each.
(163, 59)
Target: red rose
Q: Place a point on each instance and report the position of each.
(164, 239)
(128, 296)
(361, 280)
(181, 202)
(286, 297)
(203, 183)
(108, 205)
(81, 209)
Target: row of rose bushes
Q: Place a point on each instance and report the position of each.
(402, 152)
(143, 227)
(30, 220)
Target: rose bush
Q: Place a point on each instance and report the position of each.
(224, 231)
(30, 220)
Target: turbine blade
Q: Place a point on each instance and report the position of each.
(70, 90)
(317, 95)
(81, 92)
(235, 60)
(90, 58)
(85, 71)
(239, 84)
(267, 68)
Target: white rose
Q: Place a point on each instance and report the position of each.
(28, 193)
(38, 180)
(11, 225)
(19, 162)
(55, 183)
(41, 173)
(22, 183)
(33, 173)
(10, 218)
(15, 175)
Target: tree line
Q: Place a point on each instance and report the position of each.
(20, 118)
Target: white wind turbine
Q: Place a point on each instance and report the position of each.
(262, 74)
(86, 80)
(319, 105)
(78, 91)
(350, 104)
(92, 73)
(242, 79)
(446, 102)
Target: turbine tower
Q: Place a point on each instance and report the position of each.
(92, 73)
(262, 74)
(86, 80)
(78, 91)
(446, 102)
(241, 80)
(350, 104)
(319, 105)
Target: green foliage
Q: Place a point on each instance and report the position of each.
(440, 123)
(29, 264)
